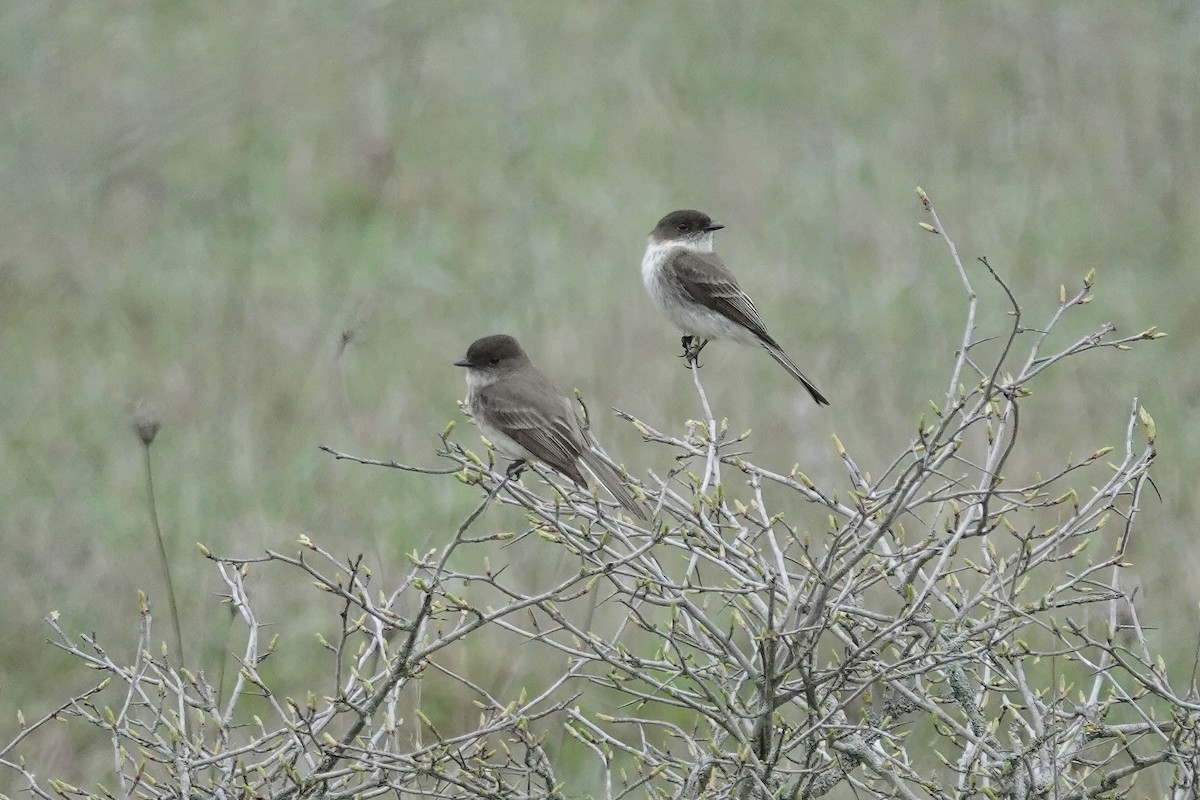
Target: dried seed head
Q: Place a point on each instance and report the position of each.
(146, 420)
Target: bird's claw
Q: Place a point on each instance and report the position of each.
(514, 470)
(692, 345)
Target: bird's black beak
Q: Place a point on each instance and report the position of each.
(462, 362)
(714, 226)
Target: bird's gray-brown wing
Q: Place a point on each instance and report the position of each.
(538, 417)
(706, 280)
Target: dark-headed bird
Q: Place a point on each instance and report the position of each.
(528, 418)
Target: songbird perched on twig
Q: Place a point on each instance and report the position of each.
(528, 418)
(694, 288)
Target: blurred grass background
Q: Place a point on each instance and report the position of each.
(200, 200)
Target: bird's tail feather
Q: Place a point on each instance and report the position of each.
(794, 371)
(614, 483)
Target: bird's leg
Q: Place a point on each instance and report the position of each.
(692, 345)
(514, 470)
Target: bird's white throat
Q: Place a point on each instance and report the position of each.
(480, 378)
(657, 251)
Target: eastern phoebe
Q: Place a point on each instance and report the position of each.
(526, 416)
(692, 285)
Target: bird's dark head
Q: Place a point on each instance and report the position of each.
(686, 226)
(492, 353)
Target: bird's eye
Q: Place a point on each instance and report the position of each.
(682, 226)
(494, 361)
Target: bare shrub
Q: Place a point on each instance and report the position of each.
(945, 628)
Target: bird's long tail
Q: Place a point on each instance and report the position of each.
(794, 371)
(614, 483)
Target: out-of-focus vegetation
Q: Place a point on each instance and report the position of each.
(284, 222)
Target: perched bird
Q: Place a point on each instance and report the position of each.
(694, 288)
(528, 418)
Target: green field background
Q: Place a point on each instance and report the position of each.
(199, 201)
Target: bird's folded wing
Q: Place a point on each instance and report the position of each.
(552, 437)
(705, 279)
